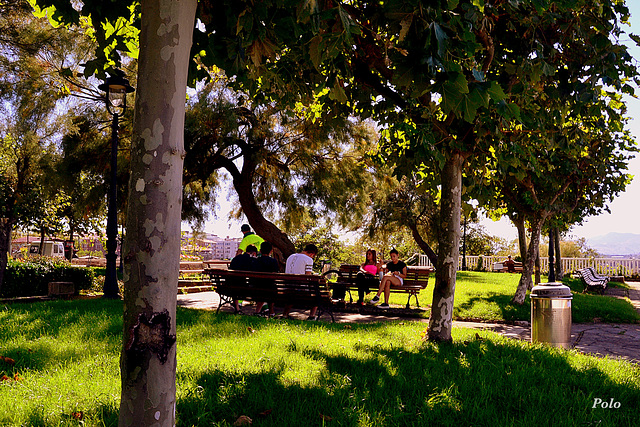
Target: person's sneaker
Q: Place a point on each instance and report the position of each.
(383, 305)
(374, 300)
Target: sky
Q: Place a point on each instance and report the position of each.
(625, 209)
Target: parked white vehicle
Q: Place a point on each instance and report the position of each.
(51, 248)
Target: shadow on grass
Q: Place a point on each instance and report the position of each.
(474, 383)
(472, 310)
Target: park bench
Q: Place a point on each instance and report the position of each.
(298, 290)
(193, 280)
(417, 279)
(593, 280)
(499, 267)
(61, 289)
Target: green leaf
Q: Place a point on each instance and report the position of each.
(495, 92)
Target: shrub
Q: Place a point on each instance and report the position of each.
(31, 277)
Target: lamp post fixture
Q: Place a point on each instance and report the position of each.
(116, 88)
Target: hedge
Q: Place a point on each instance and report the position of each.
(31, 277)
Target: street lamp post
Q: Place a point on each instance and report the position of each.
(116, 88)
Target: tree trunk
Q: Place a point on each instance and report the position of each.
(422, 244)
(440, 321)
(552, 264)
(6, 225)
(536, 268)
(529, 260)
(152, 243)
(522, 237)
(262, 226)
(42, 233)
(556, 239)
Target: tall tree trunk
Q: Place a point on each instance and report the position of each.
(42, 234)
(556, 239)
(522, 236)
(536, 269)
(6, 225)
(529, 260)
(262, 226)
(552, 264)
(441, 319)
(422, 244)
(152, 243)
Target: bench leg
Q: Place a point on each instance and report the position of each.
(224, 300)
(415, 295)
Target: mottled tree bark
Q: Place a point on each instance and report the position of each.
(152, 242)
(441, 319)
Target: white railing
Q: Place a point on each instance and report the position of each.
(608, 266)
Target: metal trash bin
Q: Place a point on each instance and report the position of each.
(551, 314)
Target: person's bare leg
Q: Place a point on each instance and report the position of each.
(392, 280)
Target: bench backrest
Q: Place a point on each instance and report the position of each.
(301, 289)
(416, 276)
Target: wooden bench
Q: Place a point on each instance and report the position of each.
(417, 279)
(298, 290)
(61, 289)
(501, 268)
(593, 280)
(195, 280)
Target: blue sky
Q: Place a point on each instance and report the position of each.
(625, 209)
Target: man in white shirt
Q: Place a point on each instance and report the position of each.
(302, 263)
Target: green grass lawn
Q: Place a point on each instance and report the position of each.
(294, 373)
(482, 296)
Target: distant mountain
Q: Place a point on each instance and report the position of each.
(616, 244)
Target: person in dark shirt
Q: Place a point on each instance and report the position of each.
(510, 264)
(395, 273)
(266, 263)
(246, 262)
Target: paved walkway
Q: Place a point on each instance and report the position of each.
(601, 339)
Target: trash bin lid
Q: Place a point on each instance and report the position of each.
(551, 290)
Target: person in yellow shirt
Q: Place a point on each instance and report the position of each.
(250, 238)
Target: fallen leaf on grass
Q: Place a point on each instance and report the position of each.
(325, 417)
(265, 414)
(250, 329)
(243, 420)
(77, 415)
(347, 326)
(4, 378)
(8, 360)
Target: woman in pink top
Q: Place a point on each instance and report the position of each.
(367, 277)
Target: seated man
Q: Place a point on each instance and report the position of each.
(267, 264)
(246, 262)
(302, 263)
(510, 264)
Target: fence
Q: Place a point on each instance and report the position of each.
(608, 266)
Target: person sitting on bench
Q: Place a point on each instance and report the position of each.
(510, 264)
(368, 276)
(396, 272)
(267, 264)
(245, 261)
(302, 263)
